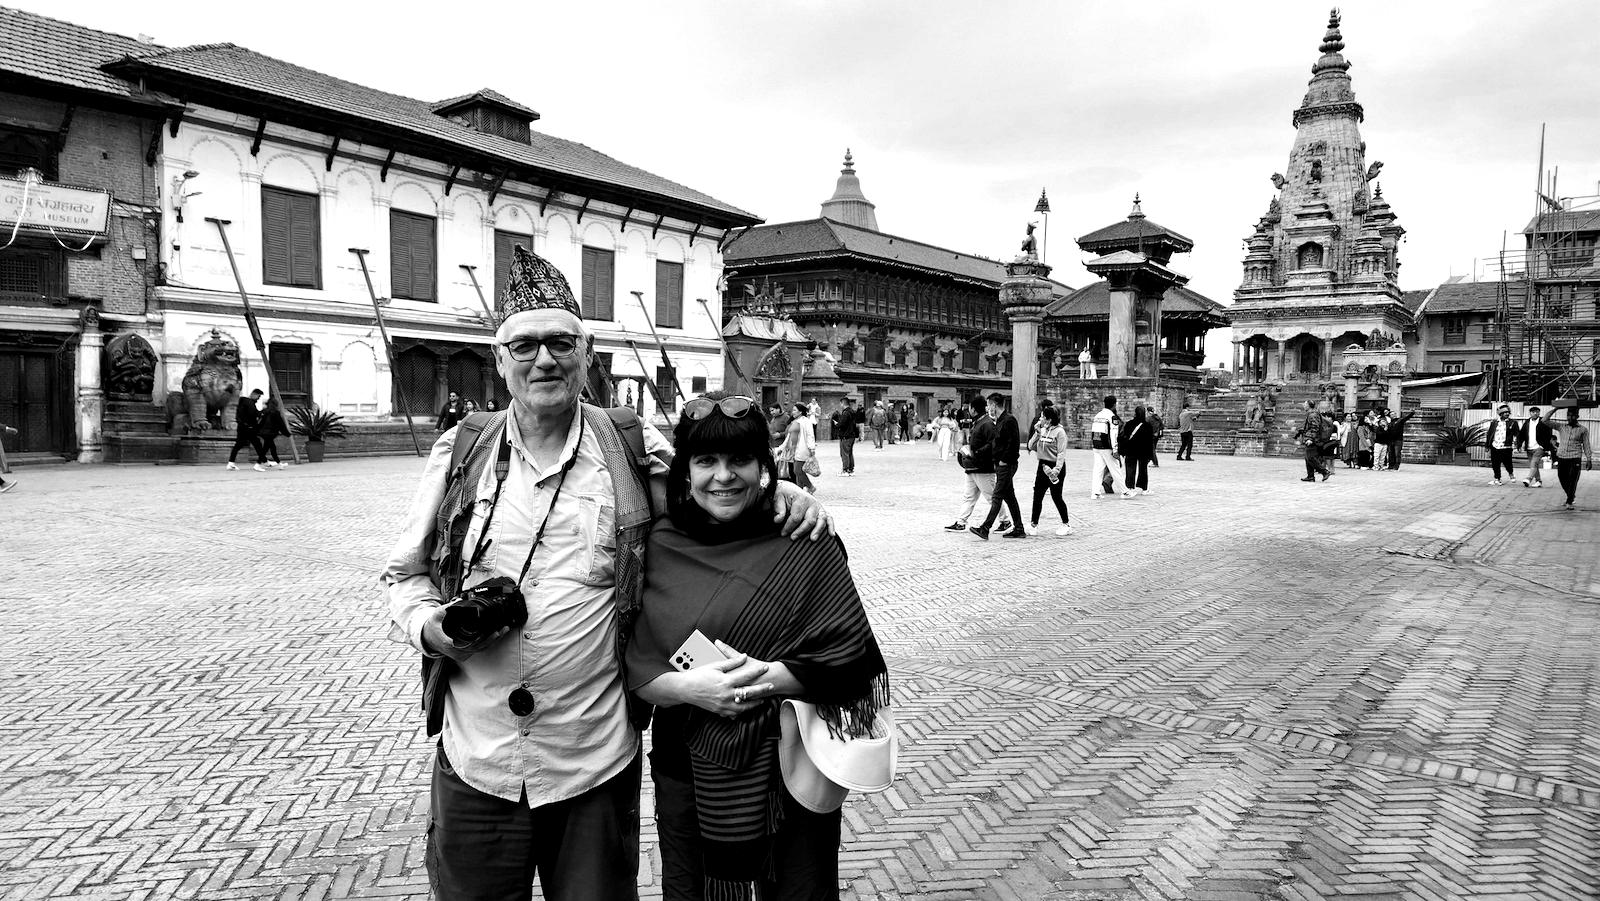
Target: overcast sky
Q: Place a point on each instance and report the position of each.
(959, 112)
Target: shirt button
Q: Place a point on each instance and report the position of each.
(529, 636)
(527, 732)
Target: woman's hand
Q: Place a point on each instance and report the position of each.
(726, 688)
(779, 682)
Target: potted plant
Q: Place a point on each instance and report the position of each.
(317, 426)
(1456, 439)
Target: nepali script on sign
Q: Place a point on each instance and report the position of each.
(50, 207)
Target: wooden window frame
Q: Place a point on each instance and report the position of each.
(410, 283)
(589, 301)
(669, 307)
(297, 274)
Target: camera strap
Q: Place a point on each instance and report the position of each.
(502, 468)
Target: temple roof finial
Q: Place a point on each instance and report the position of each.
(849, 163)
(1137, 212)
(1332, 42)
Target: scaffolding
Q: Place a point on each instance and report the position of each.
(1548, 317)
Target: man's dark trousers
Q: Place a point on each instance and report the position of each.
(847, 454)
(1314, 461)
(243, 439)
(1004, 492)
(1567, 473)
(484, 848)
(1501, 458)
(1186, 445)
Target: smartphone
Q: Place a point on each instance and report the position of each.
(697, 650)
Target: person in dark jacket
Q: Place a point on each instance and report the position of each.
(269, 427)
(976, 457)
(1500, 440)
(1007, 449)
(454, 411)
(1397, 438)
(244, 429)
(1138, 441)
(1536, 438)
(847, 430)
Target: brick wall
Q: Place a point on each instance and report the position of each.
(104, 150)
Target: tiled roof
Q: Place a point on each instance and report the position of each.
(1134, 231)
(1461, 297)
(68, 55)
(1414, 299)
(1564, 221)
(230, 70)
(1094, 301)
(825, 237)
(484, 95)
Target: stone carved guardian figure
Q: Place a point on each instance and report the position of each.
(131, 363)
(211, 386)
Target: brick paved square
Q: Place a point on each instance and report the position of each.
(1241, 686)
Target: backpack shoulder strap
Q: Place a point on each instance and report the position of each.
(632, 431)
(468, 431)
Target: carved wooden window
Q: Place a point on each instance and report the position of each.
(1452, 367)
(669, 294)
(925, 356)
(969, 356)
(666, 381)
(875, 344)
(1455, 330)
(291, 239)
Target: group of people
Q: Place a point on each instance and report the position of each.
(258, 424)
(1373, 440)
(457, 408)
(554, 610)
(1566, 443)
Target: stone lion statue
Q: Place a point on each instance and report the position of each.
(211, 386)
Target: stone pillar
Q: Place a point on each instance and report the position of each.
(1120, 345)
(91, 396)
(1395, 378)
(441, 384)
(1327, 358)
(1352, 383)
(1150, 308)
(1024, 294)
(1279, 372)
(1238, 378)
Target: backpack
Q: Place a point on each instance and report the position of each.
(436, 670)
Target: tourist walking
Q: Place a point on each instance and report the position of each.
(905, 424)
(1315, 435)
(878, 422)
(1049, 443)
(787, 621)
(1186, 418)
(1499, 441)
(1572, 445)
(944, 440)
(268, 428)
(845, 428)
(1104, 430)
(1007, 453)
(1535, 437)
(453, 412)
(1137, 445)
(536, 772)
(976, 457)
(1158, 429)
(799, 446)
(245, 419)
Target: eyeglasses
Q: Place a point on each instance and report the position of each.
(525, 349)
(733, 407)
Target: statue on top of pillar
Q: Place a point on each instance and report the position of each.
(1030, 244)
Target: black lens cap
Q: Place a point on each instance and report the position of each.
(521, 702)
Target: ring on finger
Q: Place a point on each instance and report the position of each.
(738, 696)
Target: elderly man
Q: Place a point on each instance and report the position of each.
(517, 576)
(1314, 434)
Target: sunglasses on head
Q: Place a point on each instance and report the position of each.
(732, 407)
(560, 345)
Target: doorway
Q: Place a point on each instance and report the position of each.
(33, 396)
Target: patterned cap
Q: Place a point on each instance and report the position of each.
(534, 285)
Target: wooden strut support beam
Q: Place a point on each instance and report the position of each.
(66, 126)
(177, 119)
(499, 182)
(451, 181)
(625, 217)
(255, 142)
(388, 347)
(155, 140)
(383, 173)
(582, 209)
(332, 152)
(659, 219)
(696, 233)
(660, 345)
(546, 201)
(723, 340)
(255, 330)
(729, 236)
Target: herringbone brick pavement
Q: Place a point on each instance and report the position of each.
(1241, 686)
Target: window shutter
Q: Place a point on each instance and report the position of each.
(598, 284)
(586, 303)
(422, 258)
(399, 254)
(305, 269)
(669, 294)
(275, 253)
(503, 243)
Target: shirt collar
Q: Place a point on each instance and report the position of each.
(568, 448)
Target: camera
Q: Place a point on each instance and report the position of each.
(484, 609)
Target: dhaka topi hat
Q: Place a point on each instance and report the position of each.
(534, 284)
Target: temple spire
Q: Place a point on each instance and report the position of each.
(848, 204)
(1332, 43)
(1137, 213)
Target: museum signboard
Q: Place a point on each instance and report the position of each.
(40, 206)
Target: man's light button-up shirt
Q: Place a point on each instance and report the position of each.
(578, 734)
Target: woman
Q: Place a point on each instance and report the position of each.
(1380, 442)
(799, 445)
(788, 618)
(1366, 438)
(1348, 440)
(472, 406)
(1050, 443)
(269, 427)
(945, 434)
(1138, 445)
